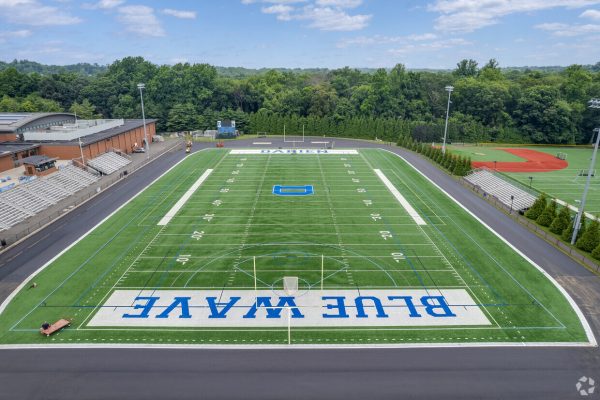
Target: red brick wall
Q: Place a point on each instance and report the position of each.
(124, 142)
(6, 163)
(8, 137)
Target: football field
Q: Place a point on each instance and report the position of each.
(275, 247)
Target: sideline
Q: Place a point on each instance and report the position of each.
(186, 196)
(584, 322)
(85, 201)
(591, 338)
(34, 273)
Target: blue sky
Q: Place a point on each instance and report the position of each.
(303, 33)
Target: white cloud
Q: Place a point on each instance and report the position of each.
(273, 1)
(591, 14)
(325, 15)
(470, 15)
(339, 3)
(141, 21)
(180, 13)
(34, 13)
(435, 45)
(281, 10)
(110, 3)
(566, 30)
(332, 19)
(362, 41)
(6, 35)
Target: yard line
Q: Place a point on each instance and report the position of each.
(181, 202)
(409, 208)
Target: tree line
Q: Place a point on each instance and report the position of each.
(488, 103)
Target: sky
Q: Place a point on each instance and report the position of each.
(303, 33)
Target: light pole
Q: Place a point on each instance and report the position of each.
(593, 103)
(141, 86)
(449, 89)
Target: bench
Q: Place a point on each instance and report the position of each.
(57, 326)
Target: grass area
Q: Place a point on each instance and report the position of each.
(368, 242)
(565, 184)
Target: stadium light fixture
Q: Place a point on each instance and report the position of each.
(141, 87)
(593, 103)
(449, 89)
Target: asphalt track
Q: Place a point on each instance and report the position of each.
(436, 373)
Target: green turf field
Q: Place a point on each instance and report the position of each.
(565, 184)
(351, 243)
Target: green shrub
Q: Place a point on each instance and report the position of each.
(596, 252)
(537, 208)
(548, 215)
(561, 222)
(590, 238)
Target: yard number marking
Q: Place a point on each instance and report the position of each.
(183, 258)
(208, 217)
(197, 235)
(398, 256)
(368, 202)
(385, 234)
(376, 216)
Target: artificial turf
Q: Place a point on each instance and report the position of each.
(235, 219)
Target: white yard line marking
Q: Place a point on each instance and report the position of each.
(584, 322)
(403, 202)
(181, 202)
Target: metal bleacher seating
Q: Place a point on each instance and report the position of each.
(28, 199)
(108, 163)
(494, 185)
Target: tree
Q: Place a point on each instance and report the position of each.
(182, 117)
(590, 238)
(548, 215)
(85, 110)
(542, 116)
(561, 222)
(466, 68)
(537, 208)
(596, 252)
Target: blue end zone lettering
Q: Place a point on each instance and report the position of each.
(282, 190)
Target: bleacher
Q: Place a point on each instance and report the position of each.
(494, 185)
(28, 199)
(108, 163)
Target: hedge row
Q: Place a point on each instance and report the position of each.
(456, 165)
(545, 213)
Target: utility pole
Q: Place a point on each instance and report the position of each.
(449, 89)
(593, 103)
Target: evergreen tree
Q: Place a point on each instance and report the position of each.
(590, 238)
(561, 222)
(567, 234)
(548, 215)
(537, 208)
(596, 252)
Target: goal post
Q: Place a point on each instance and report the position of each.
(587, 172)
(294, 139)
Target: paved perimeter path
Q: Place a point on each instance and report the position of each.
(470, 373)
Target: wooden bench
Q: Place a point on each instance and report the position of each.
(57, 326)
